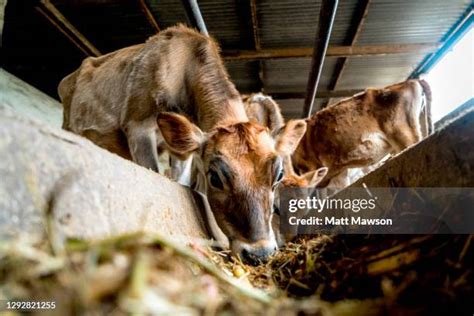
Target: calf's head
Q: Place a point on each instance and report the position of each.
(239, 166)
(398, 107)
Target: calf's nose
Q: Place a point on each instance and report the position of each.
(255, 256)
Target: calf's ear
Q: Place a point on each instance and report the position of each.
(181, 136)
(289, 136)
(314, 177)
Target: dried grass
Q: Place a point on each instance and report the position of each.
(150, 275)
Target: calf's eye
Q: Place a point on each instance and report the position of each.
(279, 173)
(279, 176)
(215, 180)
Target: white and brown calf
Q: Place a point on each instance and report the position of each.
(173, 93)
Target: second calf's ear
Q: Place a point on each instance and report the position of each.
(314, 177)
(181, 136)
(289, 136)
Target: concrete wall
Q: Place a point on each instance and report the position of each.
(23, 98)
(89, 192)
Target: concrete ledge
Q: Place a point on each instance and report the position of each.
(28, 101)
(89, 192)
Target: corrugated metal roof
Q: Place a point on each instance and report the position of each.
(410, 21)
(378, 71)
(222, 19)
(167, 12)
(244, 74)
(292, 107)
(286, 23)
(291, 74)
(224, 22)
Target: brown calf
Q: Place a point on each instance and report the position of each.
(266, 111)
(360, 131)
(173, 92)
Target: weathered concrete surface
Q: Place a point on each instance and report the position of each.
(22, 98)
(89, 192)
(445, 159)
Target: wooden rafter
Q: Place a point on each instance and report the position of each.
(319, 94)
(332, 51)
(59, 21)
(60, 29)
(149, 15)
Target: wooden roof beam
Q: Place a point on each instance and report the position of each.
(319, 94)
(59, 21)
(332, 51)
(149, 15)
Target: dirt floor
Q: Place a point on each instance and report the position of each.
(315, 275)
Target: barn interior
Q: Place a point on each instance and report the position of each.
(69, 229)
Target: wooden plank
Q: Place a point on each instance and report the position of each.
(63, 31)
(332, 51)
(64, 26)
(149, 15)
